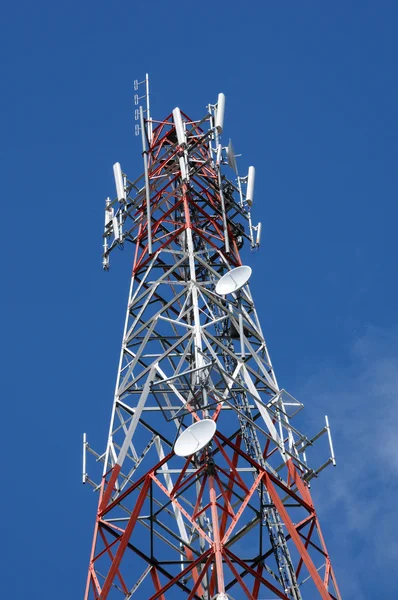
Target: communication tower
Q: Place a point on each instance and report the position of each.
(205, 488)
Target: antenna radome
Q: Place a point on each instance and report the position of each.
(250, 185)
(179, 126)
(195, 437)
(220, 113)
(120, 191)
(233, 280)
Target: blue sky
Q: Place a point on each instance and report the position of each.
(312, 99)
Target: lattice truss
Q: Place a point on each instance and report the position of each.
(235, 520)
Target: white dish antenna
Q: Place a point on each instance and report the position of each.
(220, 113)
(117, 173)
(233, 280)
(179, 126)
(231, 157)
(195, 437)
(250, 185)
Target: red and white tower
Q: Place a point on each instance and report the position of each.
(205, 487)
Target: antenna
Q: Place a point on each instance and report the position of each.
(148, 112)
(195, 437)
(115, 226)
(233, 280)
(182, 141)
(137, 99)
(109, 211)
(224, 212)
(231, 157)
(147, 185)
(250, 185)
(120, 191)
(258, 237)
(219, 154)
(179, 126)
(220, 113)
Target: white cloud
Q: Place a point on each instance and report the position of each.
(357, 501)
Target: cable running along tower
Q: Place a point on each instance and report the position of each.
(204, 493)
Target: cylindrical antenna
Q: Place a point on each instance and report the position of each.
(179, 126)
(220, 113)
(120, 191)
(330, 441)
(258, 237)
(250, 185)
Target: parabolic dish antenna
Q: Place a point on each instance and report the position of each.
(233, 280)
(195, 437)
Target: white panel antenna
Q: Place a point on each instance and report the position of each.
(231, 157)
(115, 226)
(219, 154)
(181, 137)
(250, 185)
(120, 191)
(195, 437)
(109, 212)
(220, 113)
(233, 280)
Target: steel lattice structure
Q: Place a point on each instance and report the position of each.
(236, 519)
